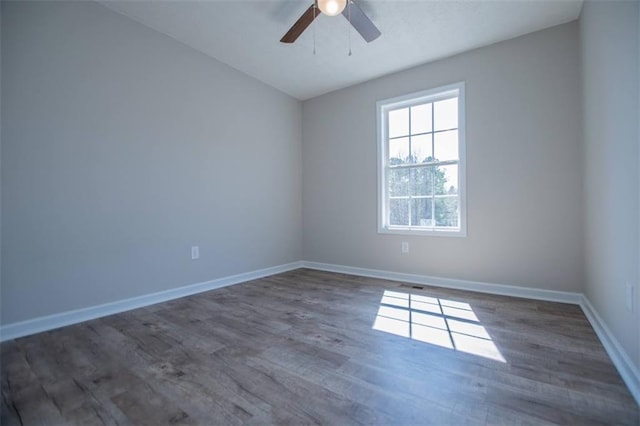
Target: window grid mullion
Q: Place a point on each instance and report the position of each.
(411, 189)
(423, 133)
(433, 156)
(416, 165)
(423, 197)
(387, 178)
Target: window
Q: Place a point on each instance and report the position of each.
(421, 168)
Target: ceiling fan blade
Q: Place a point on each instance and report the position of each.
(361, 22)
(301, 24)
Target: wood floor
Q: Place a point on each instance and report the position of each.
(309, 347)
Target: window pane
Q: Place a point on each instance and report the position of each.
(446, 114)
(421, 148)
(398, 151)
(446, 209)
(421, 212)
(446, 145)
(399, 122)
(399, 182)
(421, 181)
(399, 212)
(421, 119)
(446, 180)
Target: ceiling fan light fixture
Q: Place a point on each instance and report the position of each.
(332, 7)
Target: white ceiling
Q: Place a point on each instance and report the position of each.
(245, 35)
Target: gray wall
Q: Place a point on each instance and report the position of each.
(122, 148)
(524, 165)
(609, 40)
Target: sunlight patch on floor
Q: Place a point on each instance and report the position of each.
(446, 323)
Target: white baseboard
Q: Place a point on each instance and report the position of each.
(50, 322)
(628, 371)
(500, 289)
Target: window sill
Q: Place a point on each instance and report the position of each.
(424, 232)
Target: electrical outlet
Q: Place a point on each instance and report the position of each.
(405, 247)
(195, 253)
(629, 290)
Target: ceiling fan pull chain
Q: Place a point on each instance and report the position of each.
(349, 12)
(314, 27)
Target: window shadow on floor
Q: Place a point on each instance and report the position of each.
(442, 322)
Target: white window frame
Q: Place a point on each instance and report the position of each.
(382, 109)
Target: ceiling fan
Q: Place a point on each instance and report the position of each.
(349, 9)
